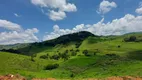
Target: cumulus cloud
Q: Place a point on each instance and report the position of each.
(61, 5)
(106, 6)
(9, 25)
(139, 9)
(60, 15)
(16, 34)
(128, 23)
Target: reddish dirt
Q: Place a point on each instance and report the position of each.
(110, 78)
(45, 79)
(18, 77)
(12, 77)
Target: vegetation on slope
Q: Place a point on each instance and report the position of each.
(80, 57)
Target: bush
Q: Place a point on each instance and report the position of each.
(51, 66)
(65, 55)
(32, 57)
(130, 39)
(78, 44)
(118, 46)
(77, 50)
(85, 52)
(55, 57)
(95, 53)
(72, 75)
(44, 56)
(71, 50)
(73, 53)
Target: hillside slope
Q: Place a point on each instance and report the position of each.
(89, 57)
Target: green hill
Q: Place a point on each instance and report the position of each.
(77, 55)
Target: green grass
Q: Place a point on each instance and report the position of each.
(127, 62)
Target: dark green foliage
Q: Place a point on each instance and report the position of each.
(73, 53)
(94, 53)
(118, 46)
(72, 75)
(85, 52)
(77, 50)
(33, 56)
(136, 55)
(65, 55)
(71, 50)
(44, 57)
(130, 39)
(74, 37)
(32, 59)
(51, 66)
(78, 44)
(55, 57)
(11, 50)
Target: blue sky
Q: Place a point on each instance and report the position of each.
(35, 16)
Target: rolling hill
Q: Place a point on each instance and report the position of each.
(76, 56)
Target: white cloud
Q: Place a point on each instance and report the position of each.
(139, 10)
(106, 6)
(16, 15)
(61, 5)
(60, 15)
(128, 23)
(16, 33)
(9, 25)
(56, 27)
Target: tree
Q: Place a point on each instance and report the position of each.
(78, 44)
(73, 53)
(85, 52)
(132, 38)
(44, 57)
(65, 55)
(32, 57)
(55, 57)
(51, 66)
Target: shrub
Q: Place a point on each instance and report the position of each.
(44, 57)
(130, 39)
(71, 50)
(78, 44)
(51, 66)
(32, 57)
(85, 52)
(55, 57)
(73, 53)
(95, 53)
(72, 75)
(65, 55)
(118, 46)
(77, 50)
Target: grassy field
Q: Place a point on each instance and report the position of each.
(113, 57)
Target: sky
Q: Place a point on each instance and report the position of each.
(24, 21)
